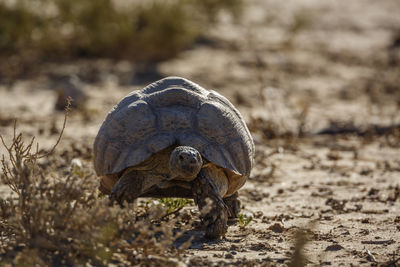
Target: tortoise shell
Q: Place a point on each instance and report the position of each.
(172, 112)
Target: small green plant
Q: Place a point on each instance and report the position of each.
(244, 220)
(174, 205)
(77, 168)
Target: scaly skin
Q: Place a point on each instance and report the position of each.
(233, 204)
(216, 218)
(125, 190)
(132, 184)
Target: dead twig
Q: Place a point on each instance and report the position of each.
(67, 109)
(391, 263)
(170, 213)
(378, 242)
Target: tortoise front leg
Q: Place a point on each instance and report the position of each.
(213, 210)
(131, 185)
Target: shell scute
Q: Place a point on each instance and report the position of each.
(110, 156)
(212, 152)
(175, 118)
(130, 98)
(173, 82)
(174, 96)
(159, 142)
(215, 123)
(192, 139)
(240, 160)
(141, 122)
(115, 129)
(127, 154)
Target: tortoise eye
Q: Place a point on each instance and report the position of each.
(181, 157)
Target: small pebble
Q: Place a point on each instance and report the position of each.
(229, 256)
(277, 228)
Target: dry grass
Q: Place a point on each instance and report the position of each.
(51, 219)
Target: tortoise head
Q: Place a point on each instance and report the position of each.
(185, 163)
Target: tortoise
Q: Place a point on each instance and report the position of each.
(176, 139)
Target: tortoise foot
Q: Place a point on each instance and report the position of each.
(128, 188)
(213, 210)
(217, 224)
(233, 204)
(120, 194)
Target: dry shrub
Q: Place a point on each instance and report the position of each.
(141, 30)
(56, 220)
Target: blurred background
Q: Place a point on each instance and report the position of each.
(292, 67)
(318, 83)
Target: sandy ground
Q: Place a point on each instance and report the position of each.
(294, 69)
